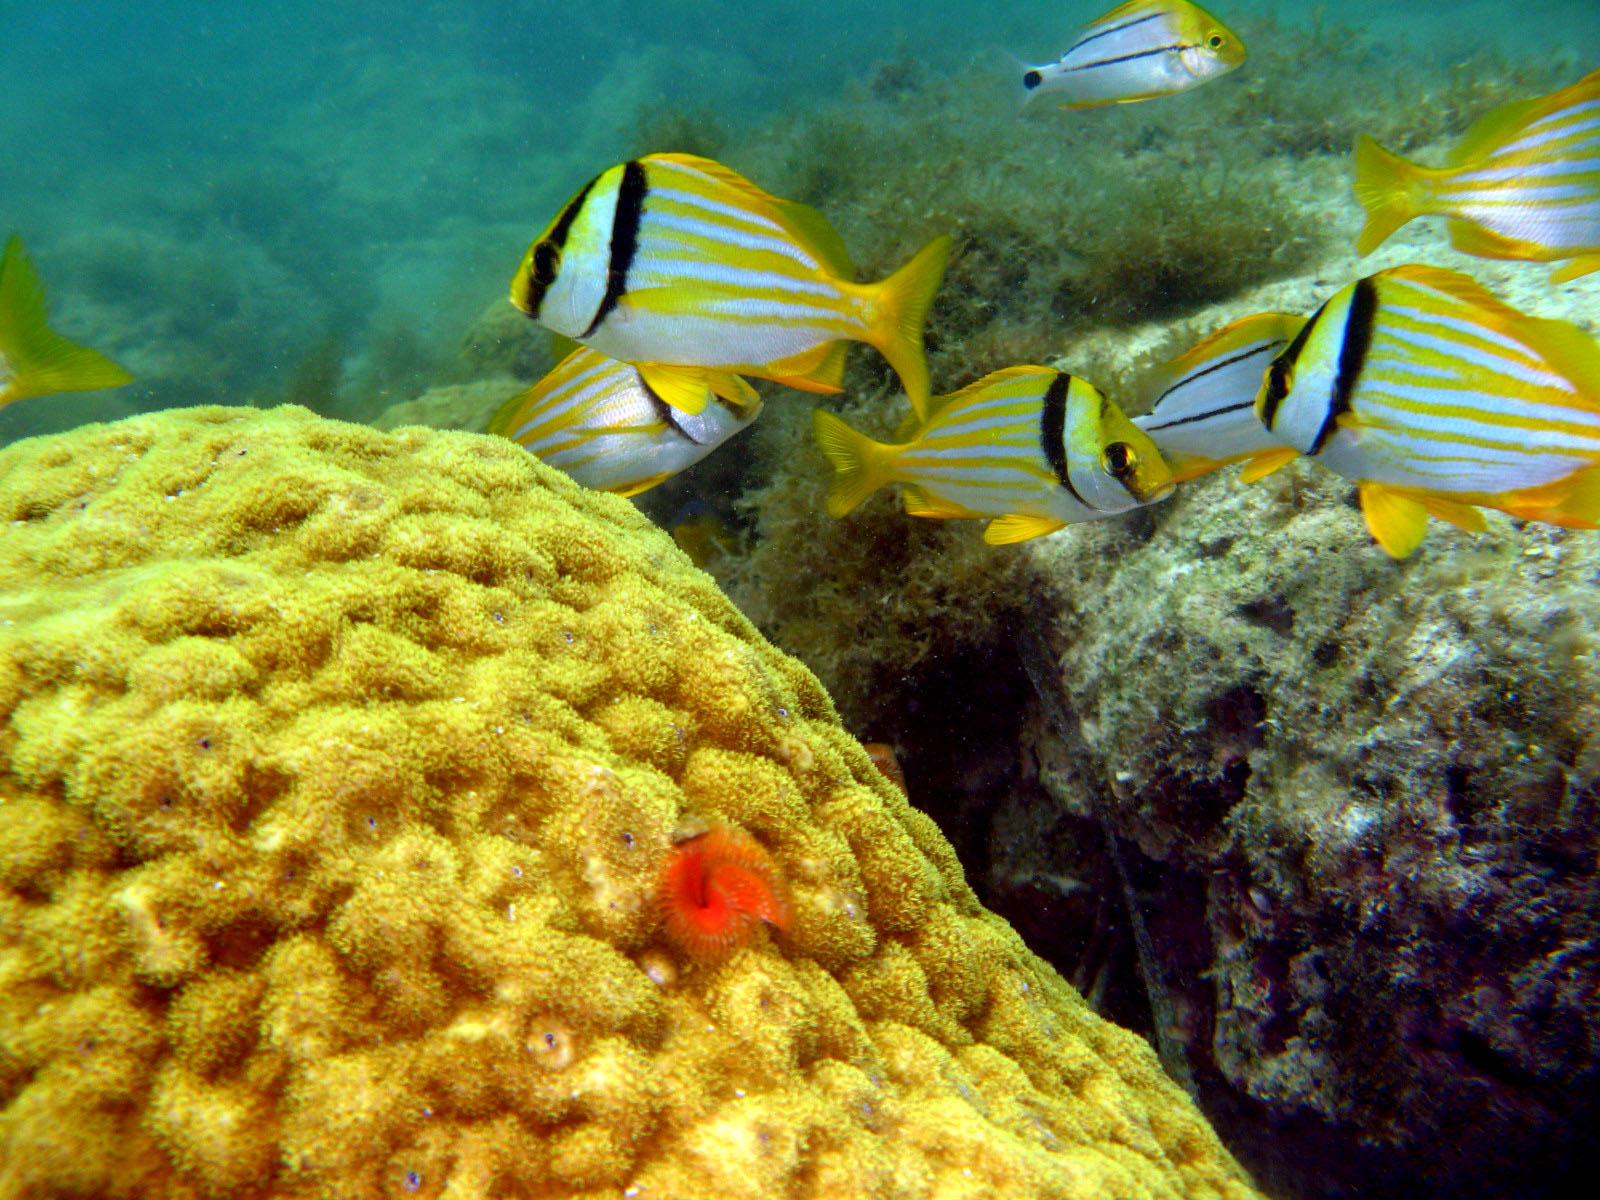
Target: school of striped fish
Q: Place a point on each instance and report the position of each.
(672, 280)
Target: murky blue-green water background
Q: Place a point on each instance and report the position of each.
(209, 190)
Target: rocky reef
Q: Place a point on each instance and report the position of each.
(337, 769)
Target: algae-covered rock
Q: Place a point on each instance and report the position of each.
(337, 769)
(1360, 800)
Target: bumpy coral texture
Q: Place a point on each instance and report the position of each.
(336, 770)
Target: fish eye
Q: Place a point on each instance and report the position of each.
(1215, 41)
(1119, 459)
(546, 262)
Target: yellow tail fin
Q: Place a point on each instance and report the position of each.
(1387, 187)
(903, 301)
(860, 465)
(35, 359)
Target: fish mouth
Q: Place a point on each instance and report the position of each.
(1151, 495)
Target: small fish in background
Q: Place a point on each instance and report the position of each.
(1436, 398)
(676, 263)
(598, 420)
(1031, 447)
(1524, 183)
(35, 360)
(1202, 405)
(703, 534)
(1137, 51)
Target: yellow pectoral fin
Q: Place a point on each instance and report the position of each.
(1003, 531)
(642, 485)
(1261, 465)
(1575, 268)
(682, 387)
(1397, 522)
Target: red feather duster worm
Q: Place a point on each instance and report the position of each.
(715, 888)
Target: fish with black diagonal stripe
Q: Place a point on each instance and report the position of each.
(1137, 51)
(675, 263)
(1031, 447)
(1436, 398)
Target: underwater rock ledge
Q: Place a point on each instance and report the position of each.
(1360, 801)
(337, 769)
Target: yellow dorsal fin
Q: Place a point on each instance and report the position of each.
(1496, 126)
(814, 232)
(1013, 527)
(1259, 466)
(39, 359)
(804, 223)
(1220, 344)
(1397, 522)
(726, 176)
(682, 387)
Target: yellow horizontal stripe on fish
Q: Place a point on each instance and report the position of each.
(599, 421)
(675, 263)
(1137, 51)
(1033, 448)
(1436, 397)
(1523, 184)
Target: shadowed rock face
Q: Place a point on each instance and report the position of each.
(1357, 804)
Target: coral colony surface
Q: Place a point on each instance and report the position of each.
(386, 815)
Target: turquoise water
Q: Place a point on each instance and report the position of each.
(212, 193)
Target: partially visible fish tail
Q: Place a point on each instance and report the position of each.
(860, 465)
(903, 301)
(39, 360)
(1388, 188)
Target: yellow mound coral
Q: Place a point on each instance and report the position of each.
(336, 770)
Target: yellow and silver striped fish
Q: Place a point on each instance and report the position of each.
(1435, 397)
(1137, 51)
(1202, 405)
(1523, 184)
(673, 261)
(599, 421)
(34, 359)
(1035, 449)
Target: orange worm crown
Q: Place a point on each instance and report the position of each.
(715, 888)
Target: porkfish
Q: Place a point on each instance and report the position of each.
(1524, 183)
(1201, 406)
(1137, 51)
(1436, 398)
(675, 263)
(1033, 448)
(34, 359)
(598, 420)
